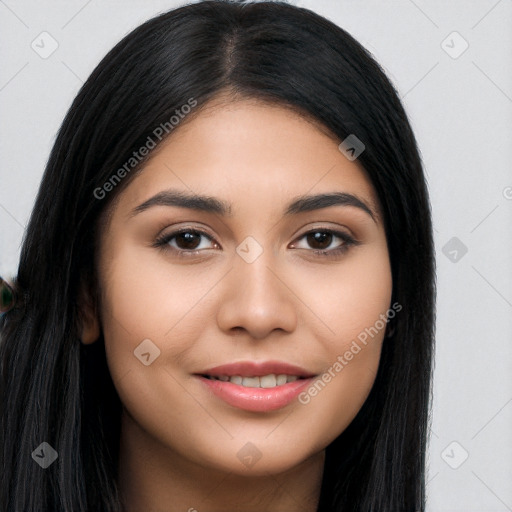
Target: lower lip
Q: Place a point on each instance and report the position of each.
(256, 399)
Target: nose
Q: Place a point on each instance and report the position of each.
(257, 298)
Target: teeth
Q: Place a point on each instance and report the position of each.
(251, 382)
(236, 379)
(266, 381)
(281, 379)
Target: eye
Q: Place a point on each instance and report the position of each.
(191, 241)
(185, 241)
(326, 242)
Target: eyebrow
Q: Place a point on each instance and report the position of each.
(210, 204)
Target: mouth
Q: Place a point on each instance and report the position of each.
(254, 386)
(266, 381)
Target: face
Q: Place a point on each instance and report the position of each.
(234, 321)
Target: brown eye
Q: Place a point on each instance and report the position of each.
(325, 242)
(188, 240)
(319, 239)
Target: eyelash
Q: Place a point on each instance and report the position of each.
(163, 243)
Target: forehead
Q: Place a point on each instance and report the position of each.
(251, 154)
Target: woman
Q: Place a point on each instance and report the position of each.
(225, 297)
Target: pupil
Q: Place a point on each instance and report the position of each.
(188, 239)
(320, 237)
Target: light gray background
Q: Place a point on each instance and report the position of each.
(461, 111)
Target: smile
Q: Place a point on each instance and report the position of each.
(266, 381)
(255, 386)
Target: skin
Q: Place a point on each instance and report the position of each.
(179, 444)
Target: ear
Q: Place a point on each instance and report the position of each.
(89, 320)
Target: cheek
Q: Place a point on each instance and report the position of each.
(146, 297)
(353, 323)
(151, 313)
(150, 319)
(350, 297)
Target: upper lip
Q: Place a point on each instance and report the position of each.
(257, 369)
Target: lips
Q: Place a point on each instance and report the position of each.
(256, 386)
(257, 369)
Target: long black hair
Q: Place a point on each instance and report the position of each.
(55, 389)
